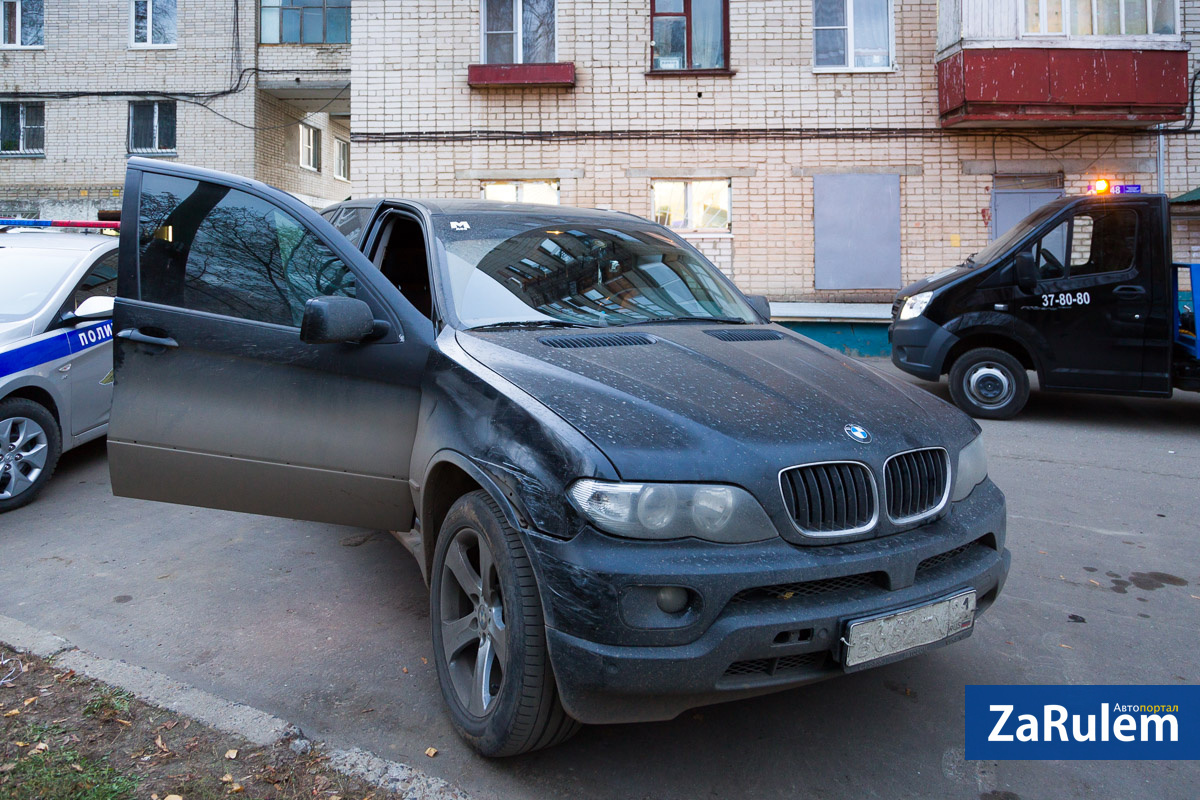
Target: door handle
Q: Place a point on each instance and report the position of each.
(1130, 291)
(135, 335)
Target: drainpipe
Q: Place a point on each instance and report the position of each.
(1162, 154)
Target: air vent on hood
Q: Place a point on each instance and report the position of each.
(726, 335)
(597, 340)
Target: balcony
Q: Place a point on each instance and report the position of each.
(304, 53)
(1062, 63)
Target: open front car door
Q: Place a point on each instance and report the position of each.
(262, 364)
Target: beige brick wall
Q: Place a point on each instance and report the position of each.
(87, 49)
(409, 71)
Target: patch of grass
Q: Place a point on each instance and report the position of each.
(107, 703)
(63, 775)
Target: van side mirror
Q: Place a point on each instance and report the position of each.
(760, 304)
(1025, 269)
(336, 319)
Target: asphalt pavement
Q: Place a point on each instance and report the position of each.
(327, 627)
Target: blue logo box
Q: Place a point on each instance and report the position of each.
(1124, 723)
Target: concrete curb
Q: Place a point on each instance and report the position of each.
(239, 719)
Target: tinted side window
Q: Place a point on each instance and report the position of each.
(1103, 241)
(213, 248)
(101, 281)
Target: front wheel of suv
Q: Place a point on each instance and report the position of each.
(30, 445)
(489, 637)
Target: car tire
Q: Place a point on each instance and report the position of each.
(989, 383)
(30, 444)
(486, 614)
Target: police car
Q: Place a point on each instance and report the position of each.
(56, 301)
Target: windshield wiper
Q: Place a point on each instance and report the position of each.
(658, 320)
(531, 323)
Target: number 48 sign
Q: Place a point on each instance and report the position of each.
(1127, 188)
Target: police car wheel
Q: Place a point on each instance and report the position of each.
(30, 444)
(989, 384)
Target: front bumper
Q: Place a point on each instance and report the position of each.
(770, 615)
(919, 347)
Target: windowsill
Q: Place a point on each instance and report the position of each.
(853, 70)
(340, 178)
(310, 169)
(304, 44)
(152, 154)
(136, 46)
(22, 155)
(690, 73)
(22, 47)
(556, 74)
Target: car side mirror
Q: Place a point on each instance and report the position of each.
(760, 304)
(1026, 272)
(336, 319)
(93, 308)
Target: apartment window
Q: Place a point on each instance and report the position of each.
(310, 147)
(518, 31)
(1101, 17)
(152, 127)
(21, 23)
(689, 34)
(304, 22)
(852, 34)
(22, 129)
(540, 192)
(153, 23)
(343, 159)
(700, 205)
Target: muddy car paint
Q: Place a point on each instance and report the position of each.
(507, 411)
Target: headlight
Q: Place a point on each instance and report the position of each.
(672, 511)
(972, 469)
(915, 305)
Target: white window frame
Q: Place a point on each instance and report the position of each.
(687, 205)
(147, 45)
(342, 167)
(310, 147)
(1045, 5)
(17, 44)
(849, 66)
(156, 151)
(22, 151)
(520, 186)
(518, 28)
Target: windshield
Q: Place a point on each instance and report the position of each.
(1018, 232)
(29, 276)
(506, 268)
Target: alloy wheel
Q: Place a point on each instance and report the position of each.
(24, 448)
(474, 635)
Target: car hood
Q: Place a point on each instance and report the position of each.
(689, 406)
(13, 332)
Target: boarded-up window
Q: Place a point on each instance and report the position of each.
(857, 226)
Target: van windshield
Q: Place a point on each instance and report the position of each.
(505, 268)
(1018, 232)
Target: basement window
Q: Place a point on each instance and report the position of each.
(22, 129)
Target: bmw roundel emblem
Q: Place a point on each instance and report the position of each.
(858, 433)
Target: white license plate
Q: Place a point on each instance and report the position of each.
(880, 637)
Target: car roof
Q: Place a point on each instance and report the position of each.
(449, 206)
(56, 241)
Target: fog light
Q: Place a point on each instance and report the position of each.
(672, 599)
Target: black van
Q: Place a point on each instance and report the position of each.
(1083, 291)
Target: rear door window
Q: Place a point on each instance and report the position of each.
(208, 247)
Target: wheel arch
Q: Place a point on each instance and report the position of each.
(992, 339)
(40, 395)
(449, 476)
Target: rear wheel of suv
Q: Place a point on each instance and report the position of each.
(989, 383)
(489, 637)
(30, 444)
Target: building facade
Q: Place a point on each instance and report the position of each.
(84, 85)
(819, 151)
(816, 150)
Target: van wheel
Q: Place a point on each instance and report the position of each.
(989, 383)
(30, 445)
(489, 637)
